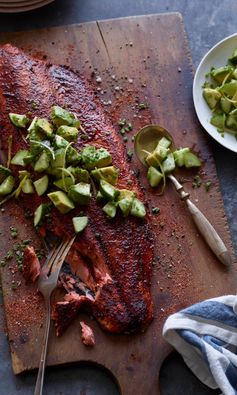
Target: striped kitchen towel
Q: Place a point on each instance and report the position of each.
(205, 334)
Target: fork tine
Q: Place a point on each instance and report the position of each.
(56, 265)
(56, 251)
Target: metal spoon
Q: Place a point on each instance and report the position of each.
(145, 141)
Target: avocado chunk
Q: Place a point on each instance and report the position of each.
(225, 105)
(4, 172)
(179, 156)
(18, 120)
(33, 133)
(168, 164)
(191, 160)
(61, 201)
(110, 209)
(69, 133)
(81, 175)
(7, 185)
(64, 183)
(138, 209)
(42, 125)
(41, 185)
(40, 213)
(19, 158)
(108, 190)
(221, 73)
(92, 157)
(79, 223)
(229, 88)
(231, 121)
(42, 163)
(233, 58)
(154, 176)
(72, 156)
(59, 158)
(80, 193)
(218, 120)
(109, 174)
(212, 97)
(60, 116)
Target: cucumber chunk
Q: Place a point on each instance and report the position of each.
(4, 172)
(191, 160)
(44, 126)
(138, 209)
(108, 190)
(212, 97)
(79, 223)
(218, 120)
(18, 120)
(179, 156)
(80, 193)
(92, 157)
(42, 163)
(7, 185)
(27, 187)
(41, 185)
(168, 164)
(154, 176)
(125, 205)
(110, 209)
(64, 183)
(41, 211)
(19, 157)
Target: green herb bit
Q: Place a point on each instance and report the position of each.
(207, 185)
(129, 154)
(3, 262)
(34, 105)
(155, 210)
(122, 122)
(143, 106)
(197, 182)
(9, 255)
(14, 232)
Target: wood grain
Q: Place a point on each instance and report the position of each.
(140, 59)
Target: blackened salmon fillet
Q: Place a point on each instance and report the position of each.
(109, 266)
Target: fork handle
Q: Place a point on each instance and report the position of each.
(40, 376)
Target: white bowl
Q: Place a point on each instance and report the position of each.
(217, 57)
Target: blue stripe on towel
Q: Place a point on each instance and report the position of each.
(193, 339)
(231, 374)
(215, 311)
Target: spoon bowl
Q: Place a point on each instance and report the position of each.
(145, 142)
(147, 139)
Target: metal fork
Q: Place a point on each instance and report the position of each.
(46, 284)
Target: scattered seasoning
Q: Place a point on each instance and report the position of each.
(125, 139)
(129, 155)
(155, 210)
(162, 224)
(197, 182)
(14, 232)
(98, 80)
(207, 185)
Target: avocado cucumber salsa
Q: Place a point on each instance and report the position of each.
(220, 93)
(163, 161)
(52, 166)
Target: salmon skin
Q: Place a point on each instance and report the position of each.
(111, 258)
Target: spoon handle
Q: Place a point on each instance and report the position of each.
(205, 228)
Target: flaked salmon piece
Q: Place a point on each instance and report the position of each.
(31, 264)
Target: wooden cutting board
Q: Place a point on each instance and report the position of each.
(140, 60)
